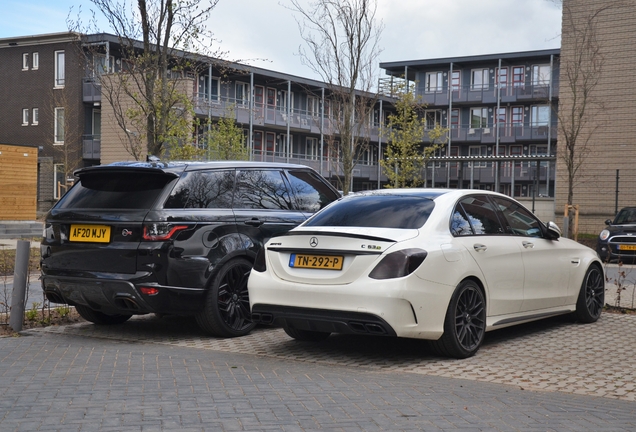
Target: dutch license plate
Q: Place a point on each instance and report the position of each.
(325, 262)
(90, 233)
(627, 247)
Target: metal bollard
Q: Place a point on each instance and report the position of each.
(18, 296)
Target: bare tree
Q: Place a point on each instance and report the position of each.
(342, 39)
(581, 71)
(154, 37)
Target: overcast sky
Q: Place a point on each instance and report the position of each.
(413, 29)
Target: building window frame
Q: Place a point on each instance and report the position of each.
(541, 75)
(312, 149)
(36, 117)
(60, 71)
(25, 61)
(480, 79)
(479, 117)
(456, 80)
(242, 93)
(434, 82)
(58, 132)
(35, 60)
(25, 116)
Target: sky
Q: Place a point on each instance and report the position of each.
(264, 33)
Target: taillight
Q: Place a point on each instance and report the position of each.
(161, 231)
(398, 264)
(259, 262)
(149, 290)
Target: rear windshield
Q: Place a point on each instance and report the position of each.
(377, 211)
(115, 191)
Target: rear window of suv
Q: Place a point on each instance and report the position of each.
(115, 190)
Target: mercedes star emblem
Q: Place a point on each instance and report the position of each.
(313, 242)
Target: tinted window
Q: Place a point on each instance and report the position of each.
(380, 211)
(115, 190)
(311, 193)
(459, 223)
(518, 220)
(203, 189)
(481, 215)
(262, 190)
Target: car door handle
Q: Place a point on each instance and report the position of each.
(527, 244)
(479, 247)
(255, 222)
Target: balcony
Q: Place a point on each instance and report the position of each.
(91, 91)
(508, 133)
(487, 94)
(91, 146)
(277, 117)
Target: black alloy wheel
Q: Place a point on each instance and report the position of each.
(465, 323)
(226, 312)
(592, 296)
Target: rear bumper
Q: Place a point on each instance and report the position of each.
(117, 296)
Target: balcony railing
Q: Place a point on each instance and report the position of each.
(508, 133)
(91, 148)
(487, 94)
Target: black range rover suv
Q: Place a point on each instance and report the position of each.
(171, 238)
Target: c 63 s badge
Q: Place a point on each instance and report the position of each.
(371, 247)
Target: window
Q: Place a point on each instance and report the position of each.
(479, 79)
(262, 190)
(312, 150)
(25, 61)
(281, 95)
(25, 116)
(242, 93)
(59, 69)
(313, 106)
(478, 151)
(480, 214)
(204, 89)
(310, 193)
(433, 118)
(271, 97)
(203, 189)
(36, 61)
(516, 116)
(36, 115)
(100, 67)
(518, 77)
(541, 75)
(479, 117)
(434, 82)
(540, 115)
(518, 220)
(59, 126)
(456, 80)
(502, 75)
(455, 119)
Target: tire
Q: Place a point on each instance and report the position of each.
(465, 322)
(306, 335)
(100, 318)
(226, 310)
(591, 296)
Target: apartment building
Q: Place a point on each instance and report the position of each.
(499, 109)
(53, 99)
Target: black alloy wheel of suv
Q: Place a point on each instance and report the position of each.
(171, 238)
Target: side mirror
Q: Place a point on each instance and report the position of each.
(554, 232)
(608, 222)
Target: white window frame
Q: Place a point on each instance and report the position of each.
(434, 82)
(536, 118)
(435, 116)
(60, 69)
(312, 149)
(57, 126)
(25, 116)
(313, 106)
(36, 117)
(483, 119)
(541, 75)
(245, 90)
(35, 60)
(484, 74)
(25, 61)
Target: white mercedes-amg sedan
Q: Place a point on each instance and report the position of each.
(438, 264)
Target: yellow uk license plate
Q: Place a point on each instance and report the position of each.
(90, 233)
(627, 247)
(324, 262)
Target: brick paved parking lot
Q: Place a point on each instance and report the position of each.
(163, 374)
